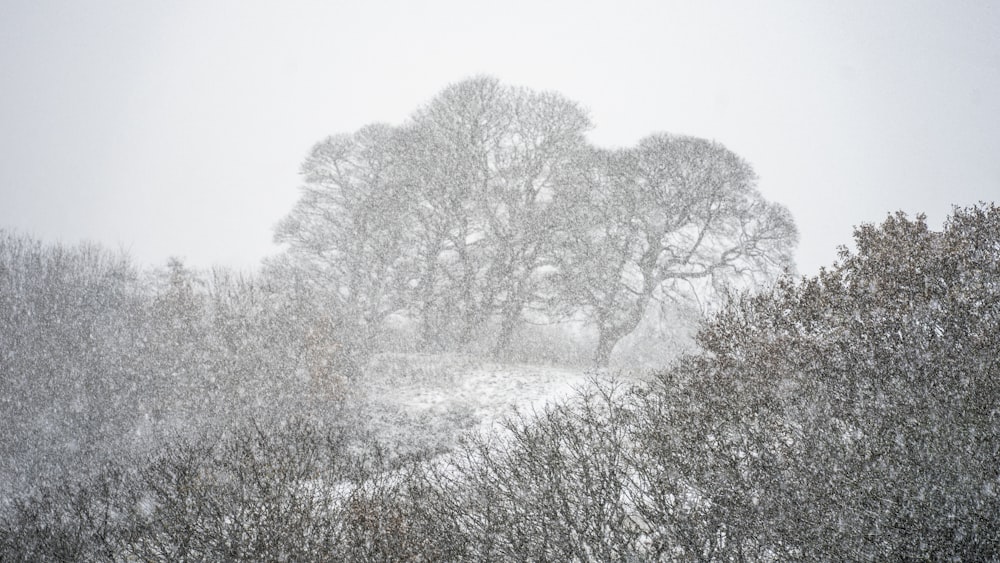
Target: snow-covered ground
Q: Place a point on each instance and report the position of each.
(426, 401)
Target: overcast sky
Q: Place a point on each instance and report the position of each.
(174, 128)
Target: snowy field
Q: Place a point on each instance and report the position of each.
(420, 401)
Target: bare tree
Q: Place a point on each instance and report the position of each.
(488, 203)
(648, 224)
(489, 160)
(346, 235)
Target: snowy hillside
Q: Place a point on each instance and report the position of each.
(424, 402)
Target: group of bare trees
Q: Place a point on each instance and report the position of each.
(489, 207)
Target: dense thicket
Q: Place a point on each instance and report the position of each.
(99, 360)
(290, 492)
(852, 415)
(66, 336)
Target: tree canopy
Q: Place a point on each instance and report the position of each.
(488, 208)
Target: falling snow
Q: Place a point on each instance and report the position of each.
(487, 339)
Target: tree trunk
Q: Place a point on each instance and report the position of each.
(510, 315)
(606, 342)
(610, 332)
(467, 327)
(508, 322)
(429, 331)
(429, 337)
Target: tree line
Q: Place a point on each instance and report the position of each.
(100, 359)
(488, 209)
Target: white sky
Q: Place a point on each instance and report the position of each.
(177, 128)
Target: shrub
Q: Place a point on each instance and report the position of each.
(276, 493)
(553, 486)
(852, 415)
